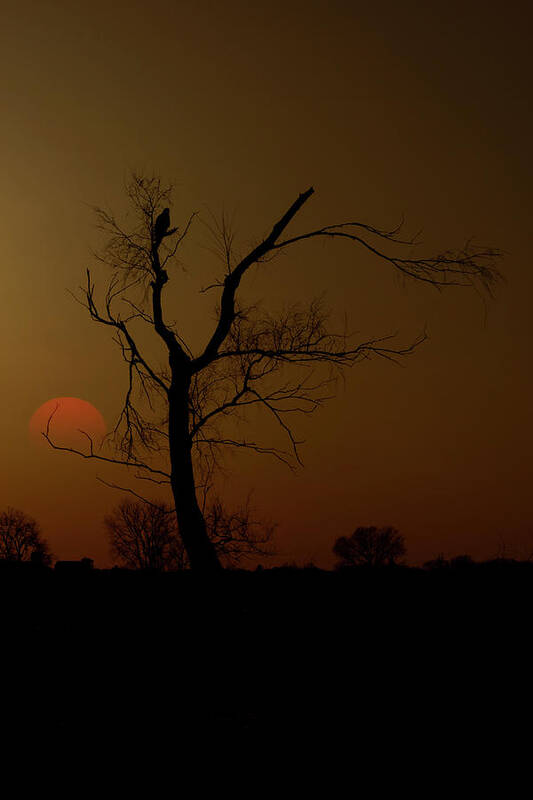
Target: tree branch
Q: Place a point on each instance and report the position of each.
(92, 455)
(233, 279)
(451, 268)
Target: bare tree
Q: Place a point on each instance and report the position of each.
(179, 411)
(236, 535)
(21, 538)
(370, 547)
(145, 535)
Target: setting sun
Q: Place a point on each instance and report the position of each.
(68, 416)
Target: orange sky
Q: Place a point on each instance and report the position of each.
(395, 110)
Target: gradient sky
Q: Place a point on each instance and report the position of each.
(389, 109)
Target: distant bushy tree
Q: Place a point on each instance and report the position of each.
(21, 538)
(370, 547)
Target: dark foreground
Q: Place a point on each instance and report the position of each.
(388, 658)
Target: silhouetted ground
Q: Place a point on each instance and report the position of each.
(395, 657)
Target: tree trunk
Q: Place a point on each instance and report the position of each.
(191, 522)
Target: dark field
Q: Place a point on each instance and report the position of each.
(396, 657)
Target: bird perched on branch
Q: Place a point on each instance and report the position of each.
(162, 224)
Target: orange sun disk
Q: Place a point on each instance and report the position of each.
(70, 416)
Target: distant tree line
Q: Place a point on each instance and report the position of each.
(144, 536)
(385, 547)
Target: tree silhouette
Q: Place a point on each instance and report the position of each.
(370, 547)
(145, 535)
(21, 538)
(178, 411)
(236, 535)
